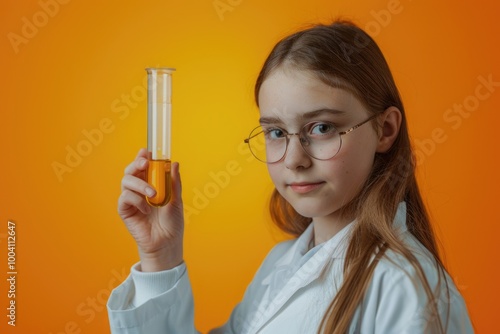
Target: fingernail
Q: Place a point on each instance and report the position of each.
(150, 192)
(143, 163)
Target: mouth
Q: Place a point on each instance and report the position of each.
(305, 187)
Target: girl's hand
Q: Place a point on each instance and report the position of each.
(158, 232)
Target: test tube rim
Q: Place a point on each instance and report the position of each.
(169, 69)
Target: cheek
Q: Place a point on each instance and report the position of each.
(356, 169)
(274, 173)
(352, 166)
(347, 178)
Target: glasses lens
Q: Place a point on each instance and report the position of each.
(267, 145)
(321, 140)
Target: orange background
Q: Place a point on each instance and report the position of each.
(81, 68)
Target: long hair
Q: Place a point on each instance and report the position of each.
(344, 56)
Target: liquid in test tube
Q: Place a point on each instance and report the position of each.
(159, 134)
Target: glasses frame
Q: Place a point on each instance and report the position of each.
(302, 141)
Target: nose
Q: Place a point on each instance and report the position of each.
(295, 156)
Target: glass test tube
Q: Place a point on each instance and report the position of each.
(159, 127)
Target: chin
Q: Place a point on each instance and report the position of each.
(312, 211)
(317, 206)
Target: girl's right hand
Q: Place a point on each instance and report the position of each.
(158, 232)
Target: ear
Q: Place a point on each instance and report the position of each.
(390, 122)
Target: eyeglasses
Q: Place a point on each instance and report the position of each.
(320, 140)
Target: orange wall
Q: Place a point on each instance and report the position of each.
(71, 67)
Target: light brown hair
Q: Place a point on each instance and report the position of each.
(344, 56)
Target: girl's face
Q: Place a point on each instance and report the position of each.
(289, 99)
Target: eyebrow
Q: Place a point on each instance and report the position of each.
(306, 116)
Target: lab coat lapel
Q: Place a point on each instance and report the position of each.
(305, 275)
(293, 254)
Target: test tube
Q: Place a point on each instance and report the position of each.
(159, 128)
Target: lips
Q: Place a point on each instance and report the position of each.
(305, 187)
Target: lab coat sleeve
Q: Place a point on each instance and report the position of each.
(401, 303)
(153, 303)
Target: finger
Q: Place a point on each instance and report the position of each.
(176, 184)
(129, 200)
(137, 166)
(137, 185)
(143, 153)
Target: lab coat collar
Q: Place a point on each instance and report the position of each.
(301, 245)
(399, 223)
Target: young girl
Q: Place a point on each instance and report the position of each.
(333, 134)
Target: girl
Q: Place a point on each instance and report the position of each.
(333, 134)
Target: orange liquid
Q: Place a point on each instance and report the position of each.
(159, 178)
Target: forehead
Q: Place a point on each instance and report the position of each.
(288, 94)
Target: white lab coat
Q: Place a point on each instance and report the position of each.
(291, 292)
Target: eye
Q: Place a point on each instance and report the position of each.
(322, 129)
(275, 133)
